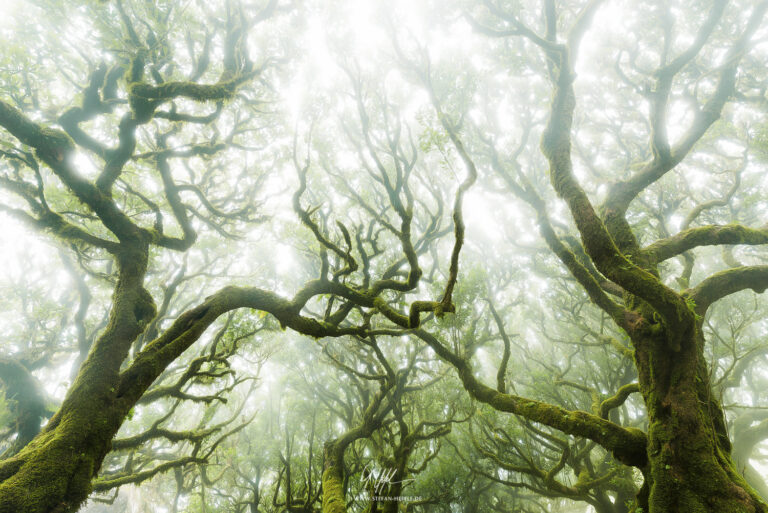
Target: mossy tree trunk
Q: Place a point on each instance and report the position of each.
(334, 500)
(690, 468)
(54, 471)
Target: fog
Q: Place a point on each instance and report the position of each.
(383, 256)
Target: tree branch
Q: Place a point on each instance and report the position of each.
(712, 235)
(628, 445)
(726, 283)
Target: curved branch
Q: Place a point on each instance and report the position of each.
(189, 326)
(102, 485)
(56, 150)
(618, 399)
(726, 283)
(712, 235)
(56, 225)
(628, 445)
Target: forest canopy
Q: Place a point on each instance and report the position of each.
(335, 256)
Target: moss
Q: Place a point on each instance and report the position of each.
(390, 313)
(144, 309)
(53, 146)
(170, 90)
(688, 469)
(333, 491)
(56, 475)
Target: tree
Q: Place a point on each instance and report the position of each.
(54, 471)
(687, 436)
(167, 166)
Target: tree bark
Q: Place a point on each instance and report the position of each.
(53, 473)
(690, 468)
(333, 479)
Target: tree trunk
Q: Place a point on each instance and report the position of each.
(402, 454)
(394, 490)
(690, 467)
(29, 408)
(333, 479)
(53, 473)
